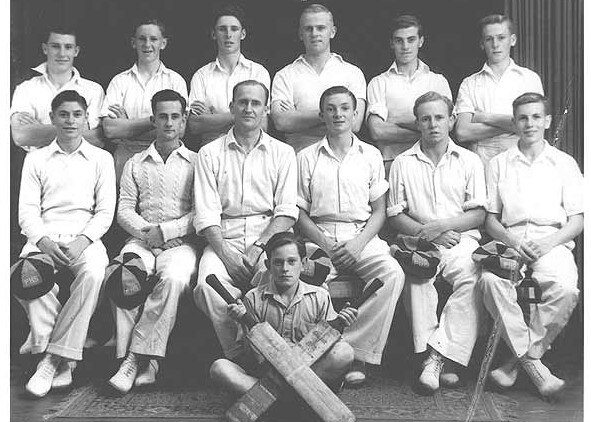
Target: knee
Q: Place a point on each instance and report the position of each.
(218, 369)
(489, 282)
(341, 355)
(567, 292)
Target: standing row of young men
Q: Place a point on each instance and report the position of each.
(246, 186)
(483, 104)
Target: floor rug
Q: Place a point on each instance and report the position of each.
(381, 399)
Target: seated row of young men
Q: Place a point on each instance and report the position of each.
(483, 102)
(245, 187)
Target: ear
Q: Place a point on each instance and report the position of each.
(153, 120)
(164, 43)
(548, 120)
(421, 41)
(243, 34)
(44, 48)
(267, 264)
(452, 121)
(333, 32)
(482, 45)
(321, 115)
(132, 39)
(76, 51)
(51, 115)
(513, 40)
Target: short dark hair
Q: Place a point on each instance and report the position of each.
(231, 9)
(67, 96)
(168, 95)
(429, 97)
(285, 238)
(339, 89)
(317, 8)
(149, 21)
(62, 29)
(406, 21)
(532, 97)
(496, 18)
(250, 82)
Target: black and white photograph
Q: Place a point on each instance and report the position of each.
(295, 210)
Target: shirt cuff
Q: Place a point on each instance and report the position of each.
(470, 205)
(203, 223)
(379, 109)
(170, 230)
(464, 109)
(380, 188)
(287, 211)
(395, 209)
(303, 204)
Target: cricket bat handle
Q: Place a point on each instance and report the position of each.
(216, 285)
(373, 287)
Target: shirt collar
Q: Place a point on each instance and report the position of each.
(513, 67)
(549, 153)
(323, 145)
(84, 149)
(302, 290)
(301, 58)
(161, 69)
(152, 152)
(242, 61)
(422, 68)
(42, 68)
(262, 144)
(452, 148)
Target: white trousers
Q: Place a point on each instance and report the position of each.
(145, 329)
(240, 234)
(369, 334)
(62, 330)
(455, 334)
(556, 274)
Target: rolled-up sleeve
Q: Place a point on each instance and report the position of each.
(285, 196)
(464, 103)
(475, 186)
(376, 98)
(208, 205)
(378, 184)
(95, 104)
(573, 188)
(113, 96)
(281, 89)
(29, 204)
(397, 201)
(358, 84)
(105, 199)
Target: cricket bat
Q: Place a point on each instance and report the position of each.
(290, 366)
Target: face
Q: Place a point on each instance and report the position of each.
(497, 41)
(148, 42)
(338, 114)
(228, 33)
(169, 120)
(285, 266)
(434, 122)
(249, 107)
(70, 120)
(316, 31)
(406, 43)
(60, 50)
(530, 122)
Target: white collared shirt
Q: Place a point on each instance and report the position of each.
(67, 194)
(299, 85)
(156, 192)
(333, 190)
(482, 91)
(231, 184)
(428, 192)
(392, 93)
(544, 192)
(34, 95)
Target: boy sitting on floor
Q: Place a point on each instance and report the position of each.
(292, 307)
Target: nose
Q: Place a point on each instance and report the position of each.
(69, 118)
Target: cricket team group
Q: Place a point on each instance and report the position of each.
(262, 207)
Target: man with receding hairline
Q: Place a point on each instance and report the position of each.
(245, 191)
(484, 99)
(297, 87)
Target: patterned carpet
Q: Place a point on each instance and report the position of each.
(382, 399)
